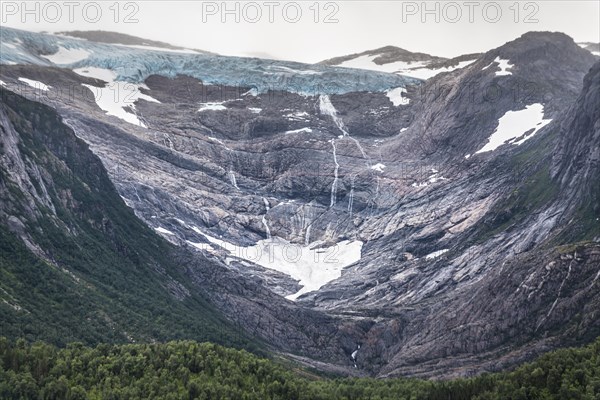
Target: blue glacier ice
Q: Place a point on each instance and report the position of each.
(135, 65)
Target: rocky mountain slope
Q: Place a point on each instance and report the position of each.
(357, 221)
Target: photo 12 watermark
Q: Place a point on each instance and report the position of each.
(470, 11)
(61, 12)
(253, 12)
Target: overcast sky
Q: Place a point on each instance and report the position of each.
(297, 32)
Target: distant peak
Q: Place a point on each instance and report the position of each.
(537, 45)
(386, 49)
(385, 55)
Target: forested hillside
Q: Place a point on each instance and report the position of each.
(75, 262)
(191, 370)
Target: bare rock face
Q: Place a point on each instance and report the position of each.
(469, 261)
(576, 159)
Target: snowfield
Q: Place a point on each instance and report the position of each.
(367, 62)
(312, 265)
(416, 69)
(116, 97)
(514, 124)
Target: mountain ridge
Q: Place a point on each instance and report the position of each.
(122, 38)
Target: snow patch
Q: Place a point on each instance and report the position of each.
(395, 96)
(378, 167)
(427, 73)
(103, 74)
(313, 265)
(216, 106)
(307, 130)
(435, 254)
(367, 62)
(116, 98)
(35, 84)
(163, 230)
(297, 116)
(67, 56)
(514, 124)
(255, 110)
(504, 65)
(414, 69)
(433, 178)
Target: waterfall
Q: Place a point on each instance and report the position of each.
(354, 354)
(351, 196)
(327, 108)
(335, 175)
(168, 140)
(373, 206)
(232, 179)
(362, 151)
(307, 237)
(264, 218)
(307, 215)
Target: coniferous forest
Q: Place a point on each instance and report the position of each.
(191, 370)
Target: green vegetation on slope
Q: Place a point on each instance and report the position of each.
(104, 276)
(191, 370)
(533, 188)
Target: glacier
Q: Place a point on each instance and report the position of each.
(135, 64)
